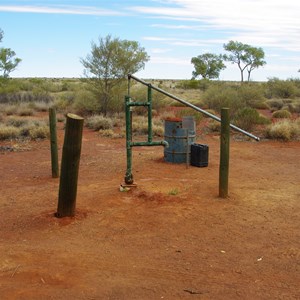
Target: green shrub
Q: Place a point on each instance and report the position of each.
(260, 104)
(218, 96)
(281, 114)
(280, 88)
(85, 103)
(246, 118)
(98, 122)
(188, 84)
(275, 104)
(251, 93)
(284, 129)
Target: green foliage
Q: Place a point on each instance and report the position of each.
(251, 93)
(8, 61)
(281, 114)
(284, 130)
(109, 63)
(245, 56)
(275, 104)
(208, 65)
(85, 103)
(280, 88)
(247, 117)
(218, 96)
(188, 84)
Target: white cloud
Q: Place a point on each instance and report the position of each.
(169, 60)
(185, 42)
(72, 10)
(268, 23)
(159, 50)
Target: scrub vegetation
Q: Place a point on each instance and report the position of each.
(270, 109)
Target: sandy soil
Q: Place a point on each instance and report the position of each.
(148, 243)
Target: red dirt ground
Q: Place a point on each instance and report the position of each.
(147, 243)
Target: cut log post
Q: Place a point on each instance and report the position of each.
(224, 153)
(53, 143)
(70, 166)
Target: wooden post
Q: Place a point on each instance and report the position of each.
(224, 153)
(53, 143)
(70, 166)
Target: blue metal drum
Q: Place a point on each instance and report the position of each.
(179, 134)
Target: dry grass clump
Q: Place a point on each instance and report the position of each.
(281, 114)
(9, 132)
(39, 106)
(24, 110)
(98, 122)
(9, 110)
(110, 133)
(39, 132)
(21, 128)
(140, 126)
(285, 130)
(190, 112)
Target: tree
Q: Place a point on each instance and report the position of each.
(8, 61)
(207, 65)
(109, 63)
(1, 34)
(245, 56)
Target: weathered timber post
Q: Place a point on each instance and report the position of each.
(70, 166)
(224, 153)
(53, 143)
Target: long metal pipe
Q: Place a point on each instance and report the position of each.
(192, 106)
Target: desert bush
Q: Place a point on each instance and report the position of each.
(284, 130)
(85, 103)
(246, 118)
(188, 84)
(9, 132)
(281, 114)
(280, 88)
(63, 102)
(189, 112)
(218, 96)
(260, 104)
(97, 122)
(251, 93)
(275, 104)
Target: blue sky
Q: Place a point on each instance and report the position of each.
(51, 36)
